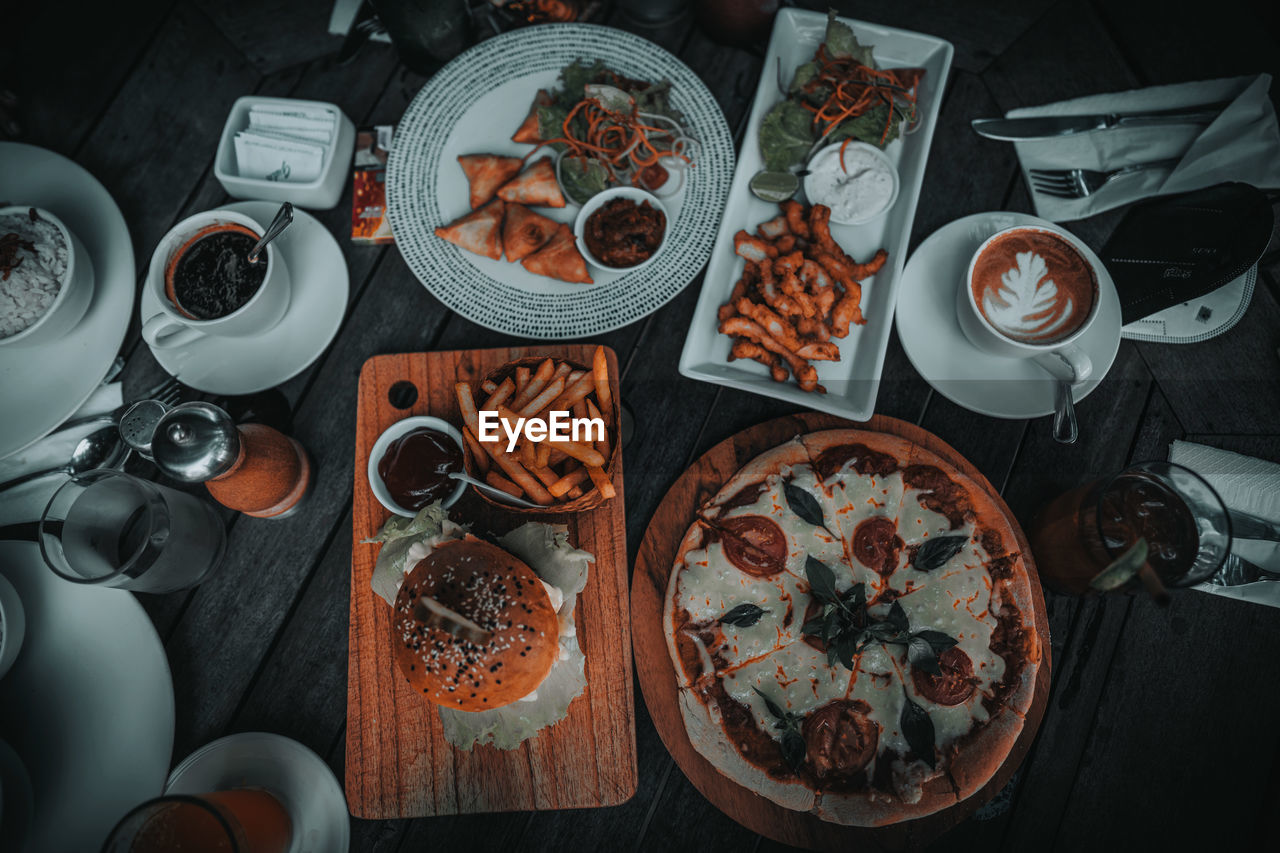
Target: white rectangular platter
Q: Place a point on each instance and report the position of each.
(852, 382)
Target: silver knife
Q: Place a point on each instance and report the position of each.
(1044, 127)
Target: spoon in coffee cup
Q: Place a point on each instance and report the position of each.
(283, 219)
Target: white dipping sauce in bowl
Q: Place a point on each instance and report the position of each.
(857, 192)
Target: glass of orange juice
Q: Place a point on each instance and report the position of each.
(238, 820)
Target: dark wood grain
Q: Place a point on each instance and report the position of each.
(398, 762)
(657, 677)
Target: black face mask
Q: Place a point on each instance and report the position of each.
(1172, 249)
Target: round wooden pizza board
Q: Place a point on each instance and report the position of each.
(657, 675)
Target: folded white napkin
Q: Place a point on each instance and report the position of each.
(285, 142)
(1247, 485)
(25, 502)
(1242, 144)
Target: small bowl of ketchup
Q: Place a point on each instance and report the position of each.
(410, 464)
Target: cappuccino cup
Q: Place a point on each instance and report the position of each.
(1031, 292)
(204, 284)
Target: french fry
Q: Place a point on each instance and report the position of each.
(500, 394)
(544, 455)
(580, 408)
(601, 479)
(539, 403)
(556, 457)
(537, 382)
(600, 370)
(563, 370)
(478, 455)
(602, 444)
(573, 393)
(467, 407)
(522, 379)
(585, 454)
(521, 477)
(528, 455)
(488, 386)
(498, 481)
(568, 481)
(574, 493)
(546, 475)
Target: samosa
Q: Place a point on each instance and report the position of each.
(560, 259)
(530, 130)
(536, 186)
(480, 231)
(486, 172)
(525, 232)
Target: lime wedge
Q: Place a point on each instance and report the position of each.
(1123, 569)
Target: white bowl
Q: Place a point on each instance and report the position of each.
(322, 193)
(74, 294)
(13, 625)
(596, 202)
(389, 435)
(873, 151)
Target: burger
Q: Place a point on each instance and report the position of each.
(484, 630)
(474, 627)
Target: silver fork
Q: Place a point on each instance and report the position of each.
(1078, 183)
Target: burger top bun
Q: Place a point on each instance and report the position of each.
(499, 594)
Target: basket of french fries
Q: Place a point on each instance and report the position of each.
(560, 474)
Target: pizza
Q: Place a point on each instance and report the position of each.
(853, 629)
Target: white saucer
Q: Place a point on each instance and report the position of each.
(931, 335)
(297, 776)
(42, 383)
(316, 307)
(88, 705)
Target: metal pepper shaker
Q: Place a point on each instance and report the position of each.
(252, 468)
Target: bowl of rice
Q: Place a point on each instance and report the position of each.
(46, 277)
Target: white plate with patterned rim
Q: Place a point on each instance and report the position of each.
(473, 106)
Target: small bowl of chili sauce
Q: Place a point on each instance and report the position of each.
(621, 229)
(410, 463)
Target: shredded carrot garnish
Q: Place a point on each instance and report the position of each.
(849, 89)
(622, 142)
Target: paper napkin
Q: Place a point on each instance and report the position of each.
(1242, 144)
(285, 142)
(1247, 485)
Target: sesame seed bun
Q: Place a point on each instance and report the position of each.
(486, 585)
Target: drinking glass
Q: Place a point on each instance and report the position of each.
(241, 820)
(1185, 523)
(112, 529)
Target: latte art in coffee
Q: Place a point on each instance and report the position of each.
(1033, 286)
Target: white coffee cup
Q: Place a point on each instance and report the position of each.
(1063, 357)
(171, 328)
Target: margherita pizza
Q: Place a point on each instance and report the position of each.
(853, 629)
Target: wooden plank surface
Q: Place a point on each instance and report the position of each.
(139, 97)
(657, 677)
(398, 761)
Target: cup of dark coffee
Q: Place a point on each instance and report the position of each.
(1031, 292)
(205, 283)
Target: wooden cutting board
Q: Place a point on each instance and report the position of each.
(398, 762)
(658, 679)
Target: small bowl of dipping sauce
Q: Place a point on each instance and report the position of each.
(410, 464)
(857, 191)
(621, 229)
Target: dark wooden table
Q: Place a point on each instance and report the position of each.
(1160, 724)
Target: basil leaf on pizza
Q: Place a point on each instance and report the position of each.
(804, 505)
(920, 654)
(917, 728)
(743, 616)
(935, 552)
(821, 579)
(792, 745)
